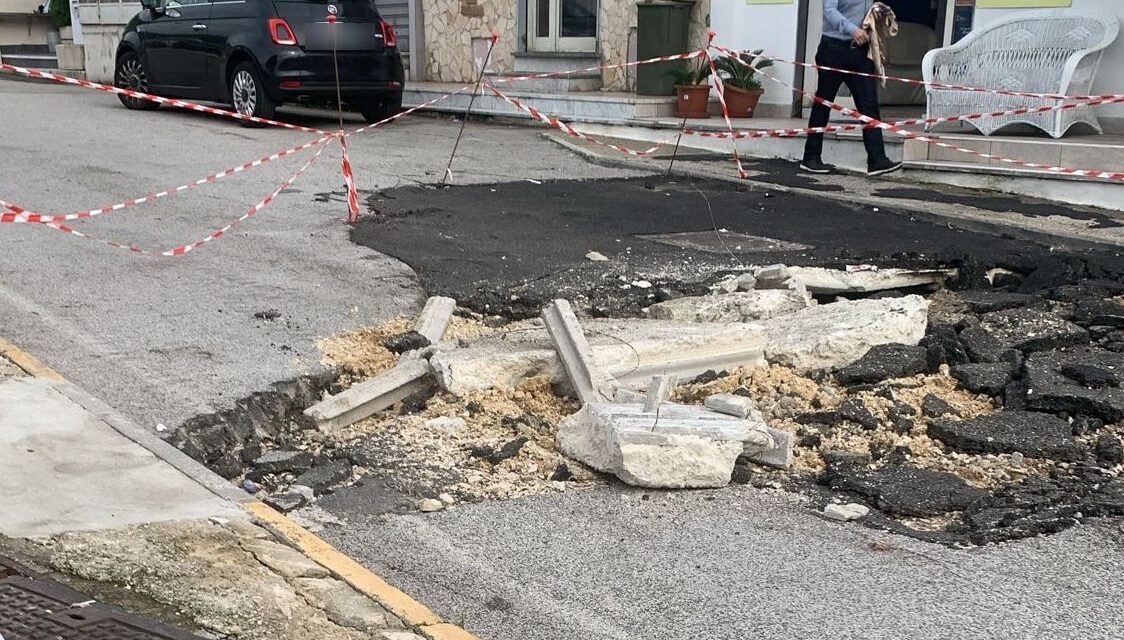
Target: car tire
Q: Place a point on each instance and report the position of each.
(380, 110)
(130, 73)
(248, 95)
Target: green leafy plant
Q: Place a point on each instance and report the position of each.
(743, 74)
(59, 12)
(691, 73)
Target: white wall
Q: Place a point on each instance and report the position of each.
(771, 27)
(1110, 76)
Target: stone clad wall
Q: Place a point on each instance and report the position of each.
(450, 27)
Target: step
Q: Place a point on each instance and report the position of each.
(29, 61)
(593, 106)
(24, 49)
(1072, 189)
(543, 62)
(563, 84)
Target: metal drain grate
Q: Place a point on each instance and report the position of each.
(724, 242)
(37, 609)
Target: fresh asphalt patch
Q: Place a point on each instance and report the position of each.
(507, 249)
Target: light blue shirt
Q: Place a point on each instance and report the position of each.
(842, 17)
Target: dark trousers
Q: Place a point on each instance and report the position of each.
(842, 55)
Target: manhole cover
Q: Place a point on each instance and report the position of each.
(724, 242)
(37, 609)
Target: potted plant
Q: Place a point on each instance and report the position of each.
(692, 90)
(742, 88)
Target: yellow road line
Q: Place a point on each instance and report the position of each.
(409, 610)
(28, 362)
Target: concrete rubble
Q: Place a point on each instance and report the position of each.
(740, 306)
(632, 351)
(819, 281)
(657, 444)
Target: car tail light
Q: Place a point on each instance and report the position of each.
(281, 32)
(290, 84)
(389, 37)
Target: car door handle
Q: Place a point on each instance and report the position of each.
(199, 27)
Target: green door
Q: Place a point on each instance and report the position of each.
(661, 29)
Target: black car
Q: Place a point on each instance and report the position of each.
(258, 54)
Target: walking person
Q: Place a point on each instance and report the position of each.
(846, 45)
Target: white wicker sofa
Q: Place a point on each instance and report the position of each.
(1038, 51)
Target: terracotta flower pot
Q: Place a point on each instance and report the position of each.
(742, 102)
(692, 100)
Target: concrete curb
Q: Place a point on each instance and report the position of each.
(412, 612)
(1073, 242)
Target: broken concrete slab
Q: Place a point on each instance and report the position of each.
(825, 336)
(744, 306)
(885, 361)
(820, 281)
(434, 318)
(589, 381)
(1038, 435)
(631, 351)
(1050, 389)
(680, 447)
(659, 391)
(366, 398)
(829, 336)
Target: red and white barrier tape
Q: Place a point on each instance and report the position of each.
(875, 123)
(938, 85)
(782, 133)
(559, 74)
(553, 121)
(214, 235)
(20, 215)
(349, 180)
(721, 89)
(36, 73)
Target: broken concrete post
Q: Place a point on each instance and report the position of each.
(435, 317)
(590, 383)
(366, 398)
(731, 405)
(659, 391)
(774, 449)
(685, 447)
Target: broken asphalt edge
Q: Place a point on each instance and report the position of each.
(977, 223)
(410, 611)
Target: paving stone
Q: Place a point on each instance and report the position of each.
(282, 461)
(1038, 435)
(885, 361)
(1025, 330)
(1104, 313)
(988, 377)
(322, 478)
(905, 490)
(985, 301)
(1050, 389)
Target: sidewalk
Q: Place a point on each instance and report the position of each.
(87, 494)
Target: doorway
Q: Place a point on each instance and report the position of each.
(562, 25)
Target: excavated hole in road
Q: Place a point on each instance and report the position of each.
(495, 249)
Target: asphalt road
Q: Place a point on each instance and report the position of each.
(625, 564)
(163, 339)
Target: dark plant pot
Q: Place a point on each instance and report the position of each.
(742, 102)
(692, 100)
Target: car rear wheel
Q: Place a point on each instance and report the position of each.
(131, 74)
(247, 93)
(379, 110)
